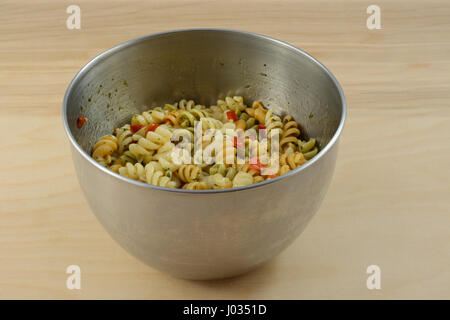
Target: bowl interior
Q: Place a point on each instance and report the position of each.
(203, 65)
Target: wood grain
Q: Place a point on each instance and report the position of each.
(389, 200)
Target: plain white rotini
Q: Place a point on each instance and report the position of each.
(242, 179)
(104, 148)
(148, 117)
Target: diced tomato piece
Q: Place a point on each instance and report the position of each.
(151, 127)
(272, 176)
(81, 121)
(231, 115)
(261, 126)
(255, 166)
(136, 127)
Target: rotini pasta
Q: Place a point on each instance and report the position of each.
(291, 161)
(124, 137)
(196, 186)
(272, 121)
(188, 172)
(148, 117)
(152, 173)
(290, 134)
(211, 123)
(252, 170)
(217, 181)
(222, 169)
(308, 148)
(242, 179)
(104, 148)
(144, 149)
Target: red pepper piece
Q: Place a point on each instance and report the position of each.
(231, 115)
(136, 127)
(81, 121)
(257, 165)
(151, 127)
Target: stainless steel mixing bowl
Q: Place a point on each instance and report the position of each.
(214, 233)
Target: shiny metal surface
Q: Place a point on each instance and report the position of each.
(213, 233)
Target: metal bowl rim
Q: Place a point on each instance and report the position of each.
(105, 54)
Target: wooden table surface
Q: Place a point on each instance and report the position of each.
(388, 203)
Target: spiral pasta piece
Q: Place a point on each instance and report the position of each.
(242, 179)
(124, 137)
(291, 161)
(139, 150)
(188, 173)
(157, 177)
(172, 117)
(249, 121)
(196, 186)
(104, 148)
(128, 156)
(170, 107)
(254, 173)
(227, 154)
(200, 113)
(223, 170)
(116, 166)
(187, 118)
(235, 103)
(216, 181)
(186, 105)
(135, 172)
(257, 111)
(164, 151)
(290, 133)
(229, 126)
(272, 121)
(164, 157)
(308, 148)
(148, 117)
(146, 147)
(150, 174)
(211, 123)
